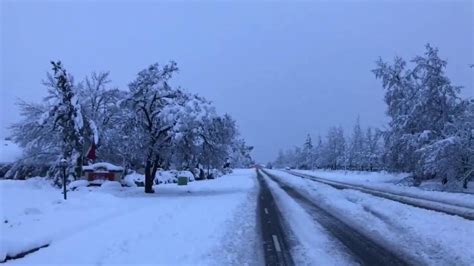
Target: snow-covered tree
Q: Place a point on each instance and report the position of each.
(318, 153)
(423, 105)
(66, 112)
(280, 160)
(101, 108)
(156, 107)
(451, 157)
(217, 136)
(333, 155)
(307, 154)
(187, 142)
(151, 126)
(356, 148)
(240, 156)
(40, 143)
(124, 142)
(60, 119)
(372, 150)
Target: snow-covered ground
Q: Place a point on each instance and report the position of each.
(425, 237)
(205, 223)
(389, 182)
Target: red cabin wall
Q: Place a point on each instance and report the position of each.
(96, 176)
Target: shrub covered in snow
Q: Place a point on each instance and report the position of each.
(133, 179)
(165, 177)
(161, 177)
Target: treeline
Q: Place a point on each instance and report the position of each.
(151, 125)
(430, 133)
(363, 151)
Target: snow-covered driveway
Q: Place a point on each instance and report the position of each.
(205, 223)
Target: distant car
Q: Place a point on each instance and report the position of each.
(287, 168)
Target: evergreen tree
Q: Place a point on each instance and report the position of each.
(307, 154)
(355, 151)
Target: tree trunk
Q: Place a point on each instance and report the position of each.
(149, 176)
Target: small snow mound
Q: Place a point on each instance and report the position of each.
(111, 185)
(78, 183)
(132, 179)
(166, 177)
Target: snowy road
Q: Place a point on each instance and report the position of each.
(363, 249)
(345, 227)
(274, 237)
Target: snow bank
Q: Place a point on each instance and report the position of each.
(357, 177)
(132, 179)
(389, 182)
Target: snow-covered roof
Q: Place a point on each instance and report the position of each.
(9, 151)
(108, 166)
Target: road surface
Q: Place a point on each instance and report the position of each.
(274, 238)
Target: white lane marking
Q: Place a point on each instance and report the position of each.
(266, 211)
(276, 243)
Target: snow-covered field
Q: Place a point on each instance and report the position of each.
(205, 223)
(425, 237)
(392, 183)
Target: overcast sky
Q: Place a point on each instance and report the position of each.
(281, 69)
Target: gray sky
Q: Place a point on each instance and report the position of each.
(281, 69)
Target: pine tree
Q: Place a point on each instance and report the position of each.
(307, 154)
(356, 148)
